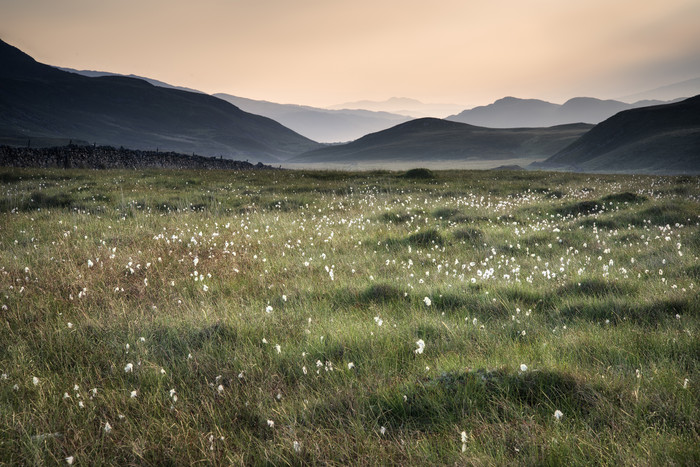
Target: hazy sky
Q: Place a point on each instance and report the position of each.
(323, 52)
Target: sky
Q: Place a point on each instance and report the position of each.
(325, 52)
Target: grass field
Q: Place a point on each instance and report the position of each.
(288, 317)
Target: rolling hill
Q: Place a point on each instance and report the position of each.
(436, 139)
(41, 102)
(511, 112)
(656, 139)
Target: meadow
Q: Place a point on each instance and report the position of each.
(300, 317)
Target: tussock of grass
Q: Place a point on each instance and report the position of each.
(426, 238)
(470, 235)
(382, 293)
(597, 288)
(419, 174)
(625, 197)
(395, 217)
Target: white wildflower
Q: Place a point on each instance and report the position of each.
(421, 346)
(558, 414)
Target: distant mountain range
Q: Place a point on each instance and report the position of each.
(687, 88)
(402, 106)
(436, 139)
(657, 139)
(323, 125)
(511, 112)
(40, 101)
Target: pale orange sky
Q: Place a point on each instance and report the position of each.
(324, 52)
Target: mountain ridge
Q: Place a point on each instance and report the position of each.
(323, 125)
(38, 100)
(513, 112)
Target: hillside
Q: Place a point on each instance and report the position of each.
(40, 101)
(435, 139)
(511, 112)
(154, 82)
(656, 139)
(323, 125)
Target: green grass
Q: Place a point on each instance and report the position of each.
(591, 282)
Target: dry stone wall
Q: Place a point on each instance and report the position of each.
(106, 157)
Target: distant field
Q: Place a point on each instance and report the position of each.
(319, 317)
(407, 165)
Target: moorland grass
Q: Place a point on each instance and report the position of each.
(182, 317)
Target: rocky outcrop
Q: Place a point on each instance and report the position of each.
(107, 157)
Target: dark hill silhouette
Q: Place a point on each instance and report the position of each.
(656, 139)
(436, 139)
(41, 101)
(511, 112)
(322, 125)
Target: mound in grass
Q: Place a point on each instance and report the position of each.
(598, 287)
(470, 235)
(421, 174)
(580, 208)
(395, 217)
(382, 293)
(426, 238)
(625, 197)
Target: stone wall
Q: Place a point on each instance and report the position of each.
(107, 157)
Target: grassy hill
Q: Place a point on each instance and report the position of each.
(436, 139)
(658, 139)
(39, 101)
